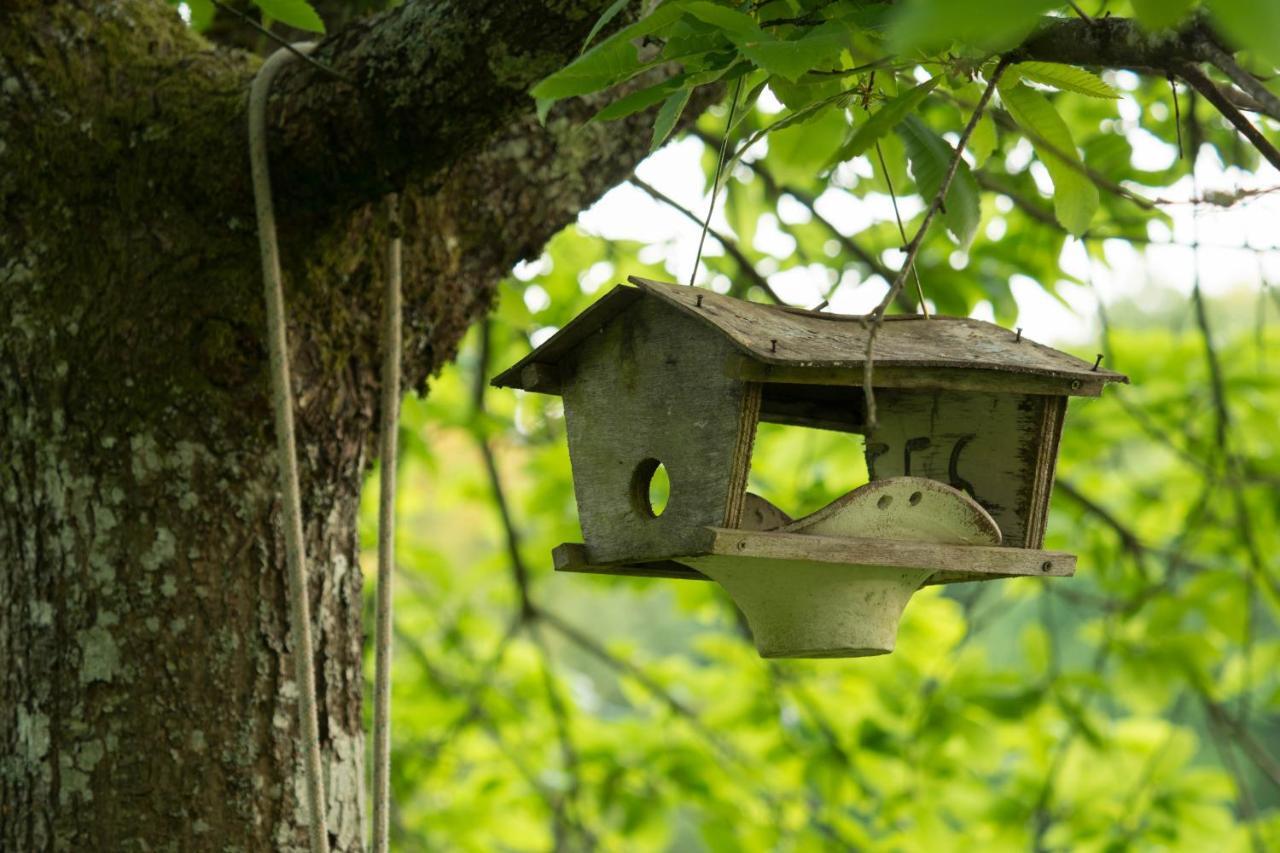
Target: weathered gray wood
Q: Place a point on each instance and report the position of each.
(793, 345)
(919, 378)
(991, 446)
(636, 391)
(974, 559)
(543, 378)
(760, 514)
(572, 557)
(791, 336)
(573, 333)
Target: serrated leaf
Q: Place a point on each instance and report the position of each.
(795, 57)
(1075, 198)
(668, 114)
(296, 13)
(1067, 78)
(611, 61)
(1161, 14)
(930, 157)
(603, 21)
(884, 120)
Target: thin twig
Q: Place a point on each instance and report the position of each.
(715, 183)
(284, 43)
(902, 231)
(1206, 87)
(913, 248)
(732, 248)
(1267, 102)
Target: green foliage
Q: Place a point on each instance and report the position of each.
(1075, 198)
(296, 13)
(1134, 706)
(930, 157)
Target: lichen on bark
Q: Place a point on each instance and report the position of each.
(146, 701)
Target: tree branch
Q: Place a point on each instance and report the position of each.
(1206, 87)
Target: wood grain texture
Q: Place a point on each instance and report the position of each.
(636, 390)
(783, 344)
(990, 446)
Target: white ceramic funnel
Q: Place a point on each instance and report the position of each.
(811, 608)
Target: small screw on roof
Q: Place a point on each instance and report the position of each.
(1097, 362)
(1018, 339)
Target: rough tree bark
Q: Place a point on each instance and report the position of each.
(146, 699)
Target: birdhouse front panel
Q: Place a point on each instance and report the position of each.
(648, 389)
(999, 449)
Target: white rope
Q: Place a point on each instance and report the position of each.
(286, 445)
(386, 536)
(282, 400)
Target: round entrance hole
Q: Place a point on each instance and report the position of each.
(650, 488)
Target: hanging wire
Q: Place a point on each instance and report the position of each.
(715, 186)
(893, 196)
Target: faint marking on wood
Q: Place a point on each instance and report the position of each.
(992, 446)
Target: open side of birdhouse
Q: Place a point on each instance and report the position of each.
(961, 459)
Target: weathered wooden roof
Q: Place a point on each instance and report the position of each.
(785, 344)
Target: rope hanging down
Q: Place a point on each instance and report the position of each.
(286, 449)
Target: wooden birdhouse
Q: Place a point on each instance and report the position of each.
(961, 461)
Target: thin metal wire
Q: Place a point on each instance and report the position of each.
(284, 43)
(286, 444)
(715, 186)
(893, 197)
(391, 353)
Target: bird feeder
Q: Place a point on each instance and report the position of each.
(961, 459)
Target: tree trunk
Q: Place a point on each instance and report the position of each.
(146, 692)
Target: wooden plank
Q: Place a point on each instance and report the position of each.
(973, 559)
(543, 378)
(1053, 414)
(783, 336)
(917, 378)
(574, 333)
(990, 446)
(982, 562)
(641, 394)
(572, 557)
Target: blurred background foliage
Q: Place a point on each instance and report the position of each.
(1134, 705)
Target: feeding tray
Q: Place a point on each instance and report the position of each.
(961, 460)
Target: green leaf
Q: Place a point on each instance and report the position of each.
(603, 21)
(884, 120)
(930, 156)
(1075, 198)
(296, 13)
(793, 58)
(638, 100)
(202, 12)
(611, 61)
(736, 25)
(983, 24)
(668, 115)
(983, 140)
(1068, 78)
(1250, 23)
(1161, 14)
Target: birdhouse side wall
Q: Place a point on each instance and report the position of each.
(998, 448)
(650, 387)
